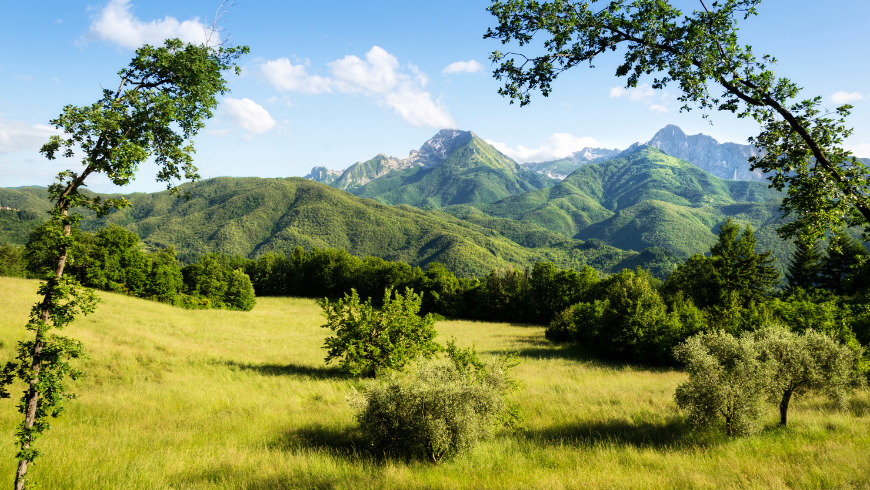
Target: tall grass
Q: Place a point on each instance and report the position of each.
(232, 400)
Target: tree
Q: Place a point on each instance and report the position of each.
(162, 100)
(827, 188)
(805, 265)
(367, 341)
(843, 260)
(726, 380)
(805, 362)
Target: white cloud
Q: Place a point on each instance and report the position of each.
(26, 78)
(558, 145)
(252, 117)
(640, 93)
(379, 76)
(116, 24)
(287, 77)
(21, 136)
(861, 150)
(470, 66)
(658, 108)
(843, 97)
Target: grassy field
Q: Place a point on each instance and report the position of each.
(232, 400)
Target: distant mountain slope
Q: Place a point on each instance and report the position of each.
(453, 167)
(725, 160)
(252, 216)
(643, 199)
(729, 161)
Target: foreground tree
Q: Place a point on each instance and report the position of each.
(827, 187)
(368, 342)
(726, 380)
(162, 100)
(806, 362)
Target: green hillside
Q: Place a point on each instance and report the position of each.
(252, 216)
(474, 173)
(641, 200)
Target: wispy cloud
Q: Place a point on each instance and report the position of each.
(843, 97)
(116, 24)
(470, 66)
(379, 76)
(558, 145)
(18, 136)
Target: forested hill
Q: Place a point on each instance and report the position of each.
(643, 199)
(252, 216)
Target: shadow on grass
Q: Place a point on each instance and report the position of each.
(674, 433)
(315, 372)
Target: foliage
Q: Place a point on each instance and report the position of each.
(810, 361)
(805, 266)
(368, 342)
(12, 263)
(162, 100)
(444, 407)
(726, 380)
(800, 143)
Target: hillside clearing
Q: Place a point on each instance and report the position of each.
(213, 399)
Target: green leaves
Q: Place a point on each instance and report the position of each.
(367, 342)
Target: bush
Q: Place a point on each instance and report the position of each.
(726, 380)
(239, 294)
(368, 341)
(445, 407)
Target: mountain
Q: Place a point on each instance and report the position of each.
(725, 160)
(644, 199)
(559, 169)
(322, 175)
(728, 161)
(453, 167)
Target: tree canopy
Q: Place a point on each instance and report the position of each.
(800, 142)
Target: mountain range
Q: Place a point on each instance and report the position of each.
(459, 201)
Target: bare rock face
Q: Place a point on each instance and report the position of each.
(436, 150)
(725, 160)
(593, 155)
(323, 174)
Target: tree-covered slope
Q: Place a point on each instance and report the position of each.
(472, 173)
(252, 216)
(643, 199)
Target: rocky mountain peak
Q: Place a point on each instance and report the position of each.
(439, 147)
(725, 160)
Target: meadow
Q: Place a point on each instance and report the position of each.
(216, 399)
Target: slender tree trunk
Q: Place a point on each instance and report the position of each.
(783, 408)
(36, 355)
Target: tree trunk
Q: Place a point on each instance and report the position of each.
(36, 355)
(783, 408)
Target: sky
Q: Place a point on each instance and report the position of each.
(331, 83)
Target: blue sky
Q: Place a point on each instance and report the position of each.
(334, 82)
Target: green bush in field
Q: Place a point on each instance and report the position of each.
(368, 341)
(800, 363)
(444, 407)
(726, 380)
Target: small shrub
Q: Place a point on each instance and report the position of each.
(368, 341)
(444, 407)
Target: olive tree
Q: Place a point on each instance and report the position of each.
(161, 102)
(368, 341)
(444, 407)
(726, 380)
(800, 363)
(800, 142)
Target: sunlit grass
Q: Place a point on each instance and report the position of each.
(234, 400)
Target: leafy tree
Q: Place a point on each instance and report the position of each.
(805, 362)
(726, 380)
(239, 293)
(444, 407)
(805, 265)
(367, 341)
(845, 255)
(827, 188)
(12, 261)
(162, 100)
